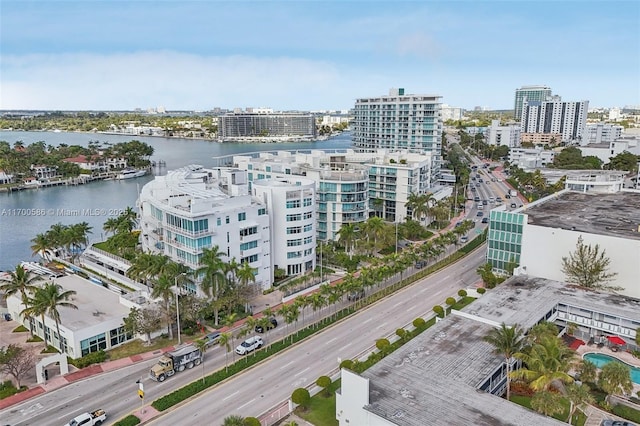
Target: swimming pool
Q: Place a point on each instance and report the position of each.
(601, 359)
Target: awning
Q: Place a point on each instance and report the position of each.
(616, 340)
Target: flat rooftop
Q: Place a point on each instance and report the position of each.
(95, 304)
(614, 215)
(433, 379)
(525, 300)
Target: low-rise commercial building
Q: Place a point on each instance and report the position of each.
(96, 325)
(540, 234)
(507, 135)
(450, 375)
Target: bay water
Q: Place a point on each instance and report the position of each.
(23, 214)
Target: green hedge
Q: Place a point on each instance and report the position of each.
(627, 413)
(7, 389)
(130, 420)
(87, 360)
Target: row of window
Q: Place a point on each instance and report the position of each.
(298, 216)
(299, 229)
(294, 204)
(250, 245)
(188, 225)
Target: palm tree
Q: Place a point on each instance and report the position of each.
(588, 371)
(202, 345)
(111, 225)
(347, 236)
(615, 377)
(128, 219)
(546, 364)
(233, 420)
(164, 289)
(225, 342)
(23, 282)
(213, 277)
(579, 396)
(245, 276)
(507, 341)
(41, 244)
(542, 330)
(547, 403)
(48, 299)
(374, 227)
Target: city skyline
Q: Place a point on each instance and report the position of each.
(312, 55)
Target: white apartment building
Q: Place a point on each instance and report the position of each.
(507, 135)
(350, 185)
(450, 113)
(293, 237)
(602, 133)
(193, 208)
(399, 121)
(604, 151)
(568, 119)
(531, 158)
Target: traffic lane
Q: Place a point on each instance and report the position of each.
(274, 381)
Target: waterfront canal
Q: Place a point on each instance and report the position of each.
(26, 213)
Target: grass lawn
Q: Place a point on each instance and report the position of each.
(322, 411)
(579, 418)
(138, 347)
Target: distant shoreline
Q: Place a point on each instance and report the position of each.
(248, 140)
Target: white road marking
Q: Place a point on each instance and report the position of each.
(370, 319)
(300, 372)
(229, 396)
(329, 341)
(286, 365)
(397, 304)
(244, 405)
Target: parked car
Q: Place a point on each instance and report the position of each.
(463, 239)
(485, 220)
(355, 295)
(251, 344)
(420, 264)
(616, 423)
(273, 323)
(212, 338)
(514, 205)
(479, 214)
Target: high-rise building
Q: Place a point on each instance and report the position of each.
(567, 119)
(399, 121)
(531, 93)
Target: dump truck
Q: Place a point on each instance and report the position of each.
(89, 419)
(177, 360)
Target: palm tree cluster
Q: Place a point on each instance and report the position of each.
(71, 238)
(125, 222)
(38, 300)
(546, 363)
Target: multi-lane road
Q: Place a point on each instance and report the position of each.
(255, 391)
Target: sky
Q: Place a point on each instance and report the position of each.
(312, 55)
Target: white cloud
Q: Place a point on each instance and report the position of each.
(175, 80)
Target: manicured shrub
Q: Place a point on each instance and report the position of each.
(401, 333)
(20, 329)
(252, 421)
(462, 293)
(92, 358)
(301, 397)
(418, 322)
(8, 388)
(383, 345)
(450, 301)
(481, 290)
(439, 310)
(324, 382)
(347, 363)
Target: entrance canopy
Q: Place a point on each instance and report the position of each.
(616, 340)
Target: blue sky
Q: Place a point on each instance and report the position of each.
(197, 55)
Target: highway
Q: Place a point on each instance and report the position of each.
(255, 392)
(260, 388)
